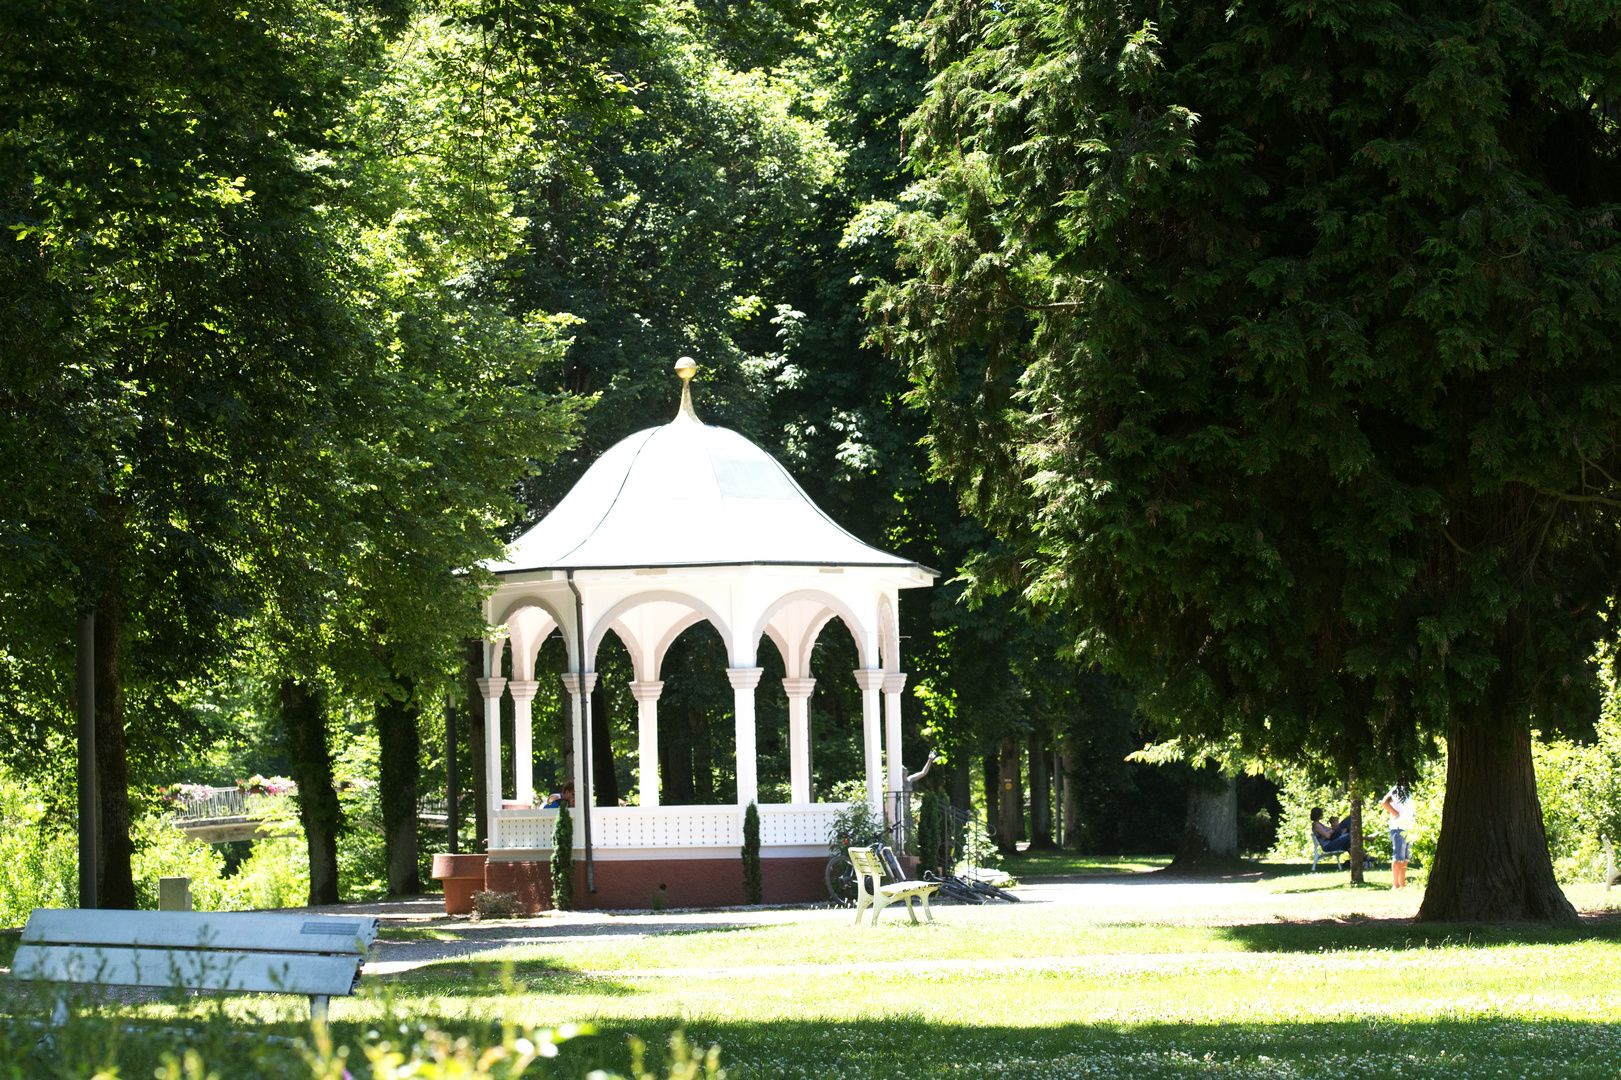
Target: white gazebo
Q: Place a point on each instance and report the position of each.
(673, 526)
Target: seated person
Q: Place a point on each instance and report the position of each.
(553, 801)
(1334, 838)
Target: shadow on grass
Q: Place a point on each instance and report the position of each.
(466, 978)
(900, 1046)
(1355, 932)
(839, 1049)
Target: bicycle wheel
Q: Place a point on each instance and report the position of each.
(840, 877)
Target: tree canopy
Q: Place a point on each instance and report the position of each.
(1279, 342)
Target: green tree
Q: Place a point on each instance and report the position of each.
(1277, 341)
(753, 881)
(563, 860)
(439, 422)
(175, 301)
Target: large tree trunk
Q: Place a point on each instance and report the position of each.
(1041, 812)
(473, 670)
(703, 772)
(303, 718)
(1210, 832)
(1491, 860)
(675, 765)
(399, 747)
(115, 884)
(1072, 802)
(1010, 799)
(989, 770)
(1356, 852)
(962, 783)
(604, 780)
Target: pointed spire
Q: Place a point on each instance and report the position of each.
(686, 367)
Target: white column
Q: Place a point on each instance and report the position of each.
(523, 739)
(579, 688)
(871, 681)
(799, 773)
(492, 689)
(894, 683)
(744, 680)
(647, 715)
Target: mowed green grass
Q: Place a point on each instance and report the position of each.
(1291, 976)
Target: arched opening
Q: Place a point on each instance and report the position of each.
(771, 736)
(837, 756)
(697, 744)
(613, 725)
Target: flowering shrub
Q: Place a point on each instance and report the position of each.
(176, 794)
(267, 785)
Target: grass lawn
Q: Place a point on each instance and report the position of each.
(1285, 975)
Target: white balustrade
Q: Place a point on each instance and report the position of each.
(781, 825)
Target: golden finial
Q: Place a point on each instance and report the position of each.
(686, 367)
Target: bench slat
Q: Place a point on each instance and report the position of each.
(286, 973)
(230, 931)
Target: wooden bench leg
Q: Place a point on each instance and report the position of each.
(879, 903)
(927, 914)
(318, 1007)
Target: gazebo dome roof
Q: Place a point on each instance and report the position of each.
(687, 494)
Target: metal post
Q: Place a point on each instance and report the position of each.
(88, 825)
(452, 821)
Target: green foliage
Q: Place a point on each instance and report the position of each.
(753, 879)
(40, 853)
(1277, 344)
(1580, 787)
(856, 825)
(276, 874)
(98, 1040)
(930, 839)
(1234, 361)
(362, 861)
(563, 860)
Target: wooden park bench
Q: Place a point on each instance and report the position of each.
(870, 871)
(318, 956)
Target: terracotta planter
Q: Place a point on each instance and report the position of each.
(463, 876)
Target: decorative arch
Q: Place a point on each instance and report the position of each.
(677, 628)
(832, 606)
(889, 635)
(531, 632)
(535, 602)
(669, 596)
(781, 642)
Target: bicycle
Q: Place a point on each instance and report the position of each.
(840, 878)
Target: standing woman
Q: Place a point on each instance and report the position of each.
(1398, 803)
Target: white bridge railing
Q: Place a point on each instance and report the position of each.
(781, 825)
